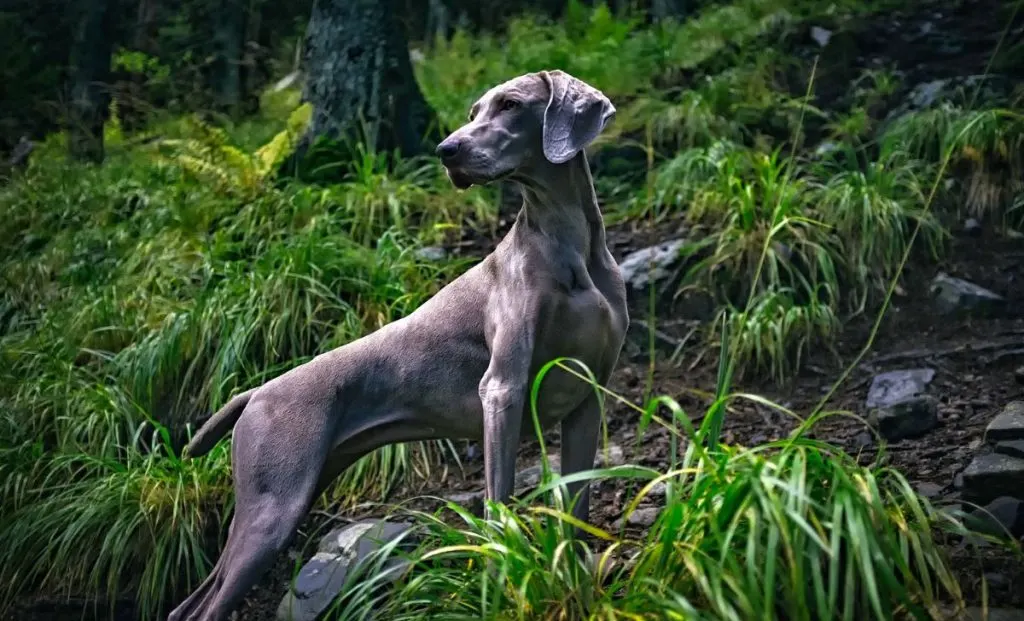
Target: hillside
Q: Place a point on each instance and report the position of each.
(836, 193)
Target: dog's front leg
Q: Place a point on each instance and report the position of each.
(503, 396)
(580, 431)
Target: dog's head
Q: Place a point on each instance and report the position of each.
(537, 119)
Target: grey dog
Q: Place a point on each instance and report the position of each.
(462, 364)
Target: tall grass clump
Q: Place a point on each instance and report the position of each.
(873, 206)
(133, 527)
(793, 529)
(984, 146)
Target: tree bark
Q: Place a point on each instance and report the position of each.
(668, 9)
(133, 100)
(228, 43)
(360, 78)
(89, 76)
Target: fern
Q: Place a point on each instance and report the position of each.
(208, 155)
(270, 156)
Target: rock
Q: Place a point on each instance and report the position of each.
(640, 518)
(1013, 448)
(929, 490)
(471, 501)
(993, 475)
(997, 580)
(659, 490)
(826, 148)
(21, 153)
(320, 580)
(606, 457)
(529, 478)
(925, 95)
(609, 456)
(863, 440)
(976, 613)
(955, 295)
(1008, 425)
(906, 419)
(896, 386)
(652, 265)
(1003, 515)
(821, 36)
(431, 253)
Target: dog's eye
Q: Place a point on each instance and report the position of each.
(509, 104)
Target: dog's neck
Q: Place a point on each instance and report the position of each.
(560, 202)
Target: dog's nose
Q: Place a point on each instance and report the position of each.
(447, 149)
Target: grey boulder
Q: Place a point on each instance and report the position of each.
(323, 578)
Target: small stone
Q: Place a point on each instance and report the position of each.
(820, 35)
(1008, 425)
(993, 475)
(471, 501)
(895, 386)
(999, 517)
(826, 148)
(863, 440)
(955, 295)
(929, 490)
(649, 266)
(1013, 448)
(975, 613)
(658, 490)
(643, 517)
(996, 580)
(640, 518)
(609, 456)
(528, 479)
(924, 95)
(431, 253)
(907, 419)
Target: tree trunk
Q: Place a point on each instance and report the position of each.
(256, 58)
(360, 78)
(668, 9)
(133, 100)
(228, 43)
(89, 75)
(437, 21)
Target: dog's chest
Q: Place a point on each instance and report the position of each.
(586, 326)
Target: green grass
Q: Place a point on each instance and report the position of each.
(792, 529)
(141, 294)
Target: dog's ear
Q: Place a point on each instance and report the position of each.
(576, 114)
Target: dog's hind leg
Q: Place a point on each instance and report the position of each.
(274, 489)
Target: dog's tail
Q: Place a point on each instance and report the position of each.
(217, 426)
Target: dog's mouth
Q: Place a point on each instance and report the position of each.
(461, 179)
